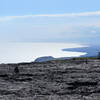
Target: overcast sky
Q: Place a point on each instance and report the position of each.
(50, 21)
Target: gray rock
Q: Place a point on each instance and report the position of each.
(54, 80)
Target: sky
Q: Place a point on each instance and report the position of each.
(74, 21)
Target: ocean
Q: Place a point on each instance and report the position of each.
(28, 52)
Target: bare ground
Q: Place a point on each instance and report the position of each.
(53, 80)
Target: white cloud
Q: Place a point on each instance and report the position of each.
(82, 14)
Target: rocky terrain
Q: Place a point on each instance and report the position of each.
(53, 80)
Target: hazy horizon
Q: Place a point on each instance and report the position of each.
(28, 52)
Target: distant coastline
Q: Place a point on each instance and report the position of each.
(28, 52)
(90, 51)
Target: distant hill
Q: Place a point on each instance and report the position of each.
(49, 58)
(45, 58)
(91, 50)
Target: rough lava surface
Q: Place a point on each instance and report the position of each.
(53, 80)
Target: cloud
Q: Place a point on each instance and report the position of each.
(82, 14)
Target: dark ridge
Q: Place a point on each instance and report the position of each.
(77, 84)
(72, 87)
(26, 75)
(5, 75)
(5, 92)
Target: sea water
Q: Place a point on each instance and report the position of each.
(28, 52)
